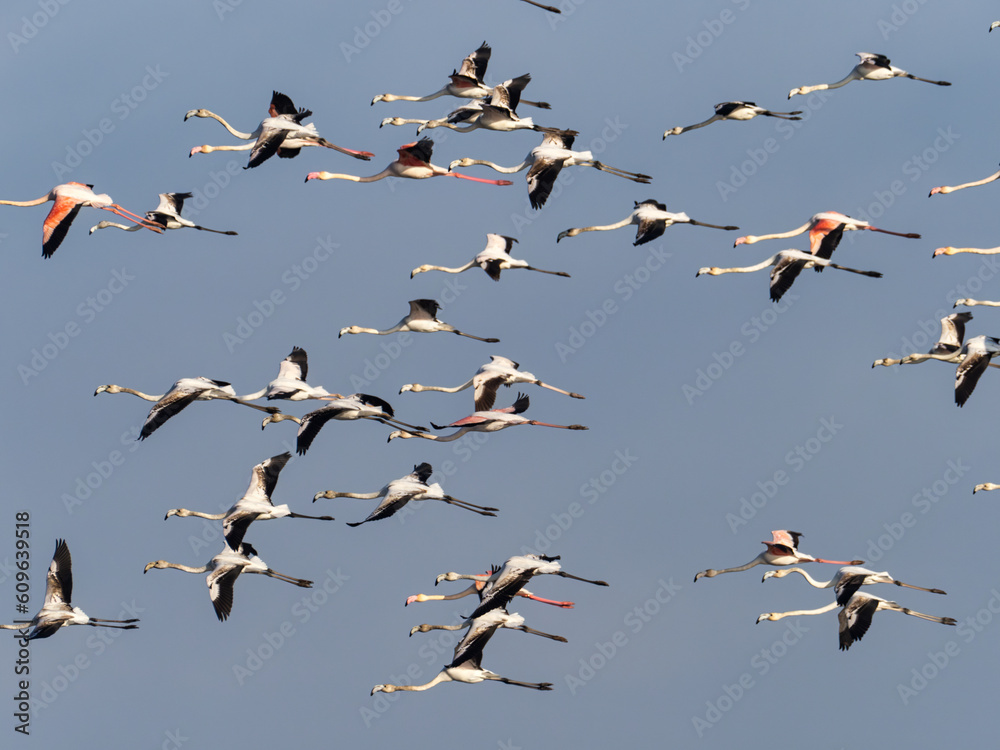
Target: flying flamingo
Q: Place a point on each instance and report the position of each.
(978, 352)
(498, 114)
(651, 218)
(546, 162)
(290, 140)
(224, 569)
(513, 621)
(255, 505)
(400, 491)
(783, 549)
(994, 25)
(422, 319)
(494, 259)
(948, 347)
(466, 666)
(466, 82)
(974, 250)
(354, 406)
(57, 612)
(68, 199)
(945, 189)
(973, 302)
(856, 615)
(414, 162)
(167, 215)
(488, 379)
(871, 68)
(734, 111)
(819, 226)
(485, 421)
(787, 266)
(502, 585)
(291, 381)
(182, 393)
(478, 587)
(986, 486)
(847, 580)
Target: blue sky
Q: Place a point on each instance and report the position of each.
(715, 415)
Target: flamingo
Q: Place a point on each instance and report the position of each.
(820, 225)
(466, 82)
(992, 25)
(735, 111)
(414, 162)
(871, 68)
(968, 302)
(182, 393)
(498, 114)
(847, 580)
(255, 505)
(948, 347)
(291, 381)
(485, 421)
(513, 621)
(224, 569)
(494, 259)
(787, 266)
(466, 666)
(68, 199)
(945, 189)
(354, 406)
(651, 218)
(974, 250)
(167, 215)
(502, 585)
(400, 491)
(290, 140)
(422, 319)
(856, 615)
(783, 549)
(986, 486)
(978, 352)
(478, 587)
(547, 160)
(57, 612)
(488, 379)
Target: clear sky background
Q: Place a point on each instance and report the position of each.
(710, 392)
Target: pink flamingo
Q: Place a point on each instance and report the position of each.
(783, 549)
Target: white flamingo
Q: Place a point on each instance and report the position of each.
(546, 162)
(291, 381)
(513, 621)
(735, 111)
(255, 505)
(945, 189)
(783, 549)
(948, 347)
(57, 611)
(224, 569)
(651, 219)
(182, 393)
(847, 580)
(978, 352)
(422, 319)
(488, 379)
(399, 492)
(493, 259)
(872, 67)
(167, 215)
